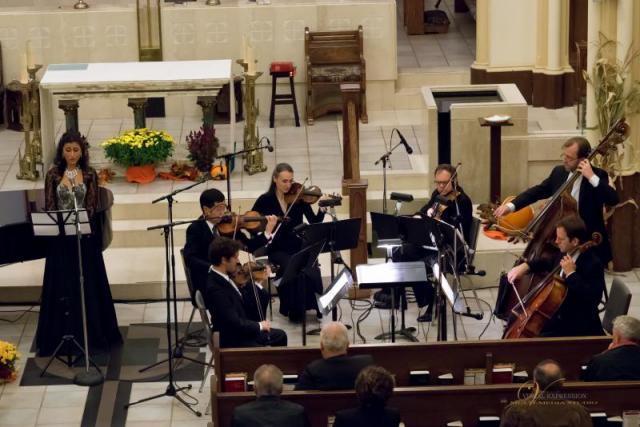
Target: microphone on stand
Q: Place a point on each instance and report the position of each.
(404, 142)
(269, 146)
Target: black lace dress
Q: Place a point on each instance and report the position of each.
(60, 307)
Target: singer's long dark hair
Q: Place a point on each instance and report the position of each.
(68, 138)
(280, 167)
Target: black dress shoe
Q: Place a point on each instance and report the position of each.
(425, 317)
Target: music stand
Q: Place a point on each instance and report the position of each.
(338, 288)
(338, 235)
(392, 275)
(305, 257)
(61, 223)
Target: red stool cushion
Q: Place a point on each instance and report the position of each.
(283, 67)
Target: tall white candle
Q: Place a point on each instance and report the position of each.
(30, 57)
(251, 61)
(24, 75)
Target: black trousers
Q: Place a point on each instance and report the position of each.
(273, 338)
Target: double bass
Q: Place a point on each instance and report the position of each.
(540, 232)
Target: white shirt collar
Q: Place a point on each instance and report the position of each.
(228, 279)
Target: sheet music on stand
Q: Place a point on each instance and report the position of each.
(57, 223)
(338, 288)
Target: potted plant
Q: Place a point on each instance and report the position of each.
(139, 150)
(203, 147)
(8, 356)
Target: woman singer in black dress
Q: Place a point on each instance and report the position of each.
(285, 242)
(60, 307)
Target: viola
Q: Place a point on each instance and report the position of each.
(252, 221)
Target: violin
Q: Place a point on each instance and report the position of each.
(252, 221)
(250, 271)
(300, 193)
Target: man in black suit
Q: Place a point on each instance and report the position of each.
(268, 410)
(224, 301)
(591, 191)
(583, 275)
(621, 361)
(203, 231)
(336, 370)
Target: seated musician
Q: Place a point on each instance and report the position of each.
(224, 301)
(591, 191)
(450, 204)
(203, 231)
(545, 407)
(336, 370)
(249, 278)
(285, 242)
(583, 275)
(621, 361)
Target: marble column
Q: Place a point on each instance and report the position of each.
(139, 106)
(208, 105)
(624, 37)
(482, 34)
(593, 30)
(554, 16)
(70, 108)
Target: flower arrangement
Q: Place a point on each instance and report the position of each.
(139, 147)
(8, 356)
(203, 147)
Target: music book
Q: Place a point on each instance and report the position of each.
(235, 381)
(445, 379)
(418, 378)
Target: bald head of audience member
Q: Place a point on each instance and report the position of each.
(267, 381)
(626, 330)
(548, 375)
(334, 340)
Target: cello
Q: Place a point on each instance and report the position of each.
(529, 317)
(540, 232)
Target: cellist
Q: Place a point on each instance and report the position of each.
(591, 190)
(583, 275)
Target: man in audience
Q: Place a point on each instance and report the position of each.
(268, 410)
(621, 361)
(374, 386)
(336, 370)
(545, 407)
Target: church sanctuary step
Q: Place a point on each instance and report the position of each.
(418, 77)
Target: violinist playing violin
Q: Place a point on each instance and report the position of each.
(249, 278)
(203, 231)
(448, 203)
(279, 200)
(583, 275)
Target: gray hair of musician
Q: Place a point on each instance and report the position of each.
(334, 337)
(267, 381)
(627, 327)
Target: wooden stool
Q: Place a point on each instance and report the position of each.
(277, 70)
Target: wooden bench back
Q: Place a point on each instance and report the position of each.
(438, 357)
(335, 47)
(436, 406)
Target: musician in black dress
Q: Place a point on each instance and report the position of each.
(591, 191)
(60, 308)
(285, 242)
(448, 203)
(583, 275)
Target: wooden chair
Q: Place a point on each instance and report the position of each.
(333, 58)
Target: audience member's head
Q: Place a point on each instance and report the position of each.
(374, 386)
(626, 330)
(548, 375)
(334, 340)
(267, 381)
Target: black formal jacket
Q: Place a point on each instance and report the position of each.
(196, 250)
(591, 202)
(578, 314)
(367, 417)
(269, 411)
(335, 373)
(228, 314)
(285, 239)
(620, 364)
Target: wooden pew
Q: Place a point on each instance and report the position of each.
(436, 406)
(437, 357)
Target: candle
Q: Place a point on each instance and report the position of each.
(251, 70)
(24, 75)
(30, 57)
(244, 47)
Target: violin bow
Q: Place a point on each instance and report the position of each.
(262, 316)
(286, 214)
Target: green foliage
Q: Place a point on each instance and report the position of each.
(139, 147)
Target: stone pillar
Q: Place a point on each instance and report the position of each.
(554, 16)
(624, 37)
(70, 108)
(139, 115)
(593, 29)
(482, 34)
(208, 105)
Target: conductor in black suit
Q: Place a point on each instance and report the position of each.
(583, 275)
(224, 301)
(203, 231)
(591, 191)
(268, 410)
(336, 370)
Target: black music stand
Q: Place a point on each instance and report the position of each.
(336, 290)
(338, 235)
(392, 275)
(62, 223)
(306, 257)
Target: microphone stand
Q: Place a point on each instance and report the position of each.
(384, 159)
